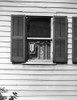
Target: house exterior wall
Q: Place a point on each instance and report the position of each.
(37, 82)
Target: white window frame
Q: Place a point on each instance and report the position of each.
(49, 61)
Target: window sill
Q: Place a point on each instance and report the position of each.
(39, 62)
(38, 38)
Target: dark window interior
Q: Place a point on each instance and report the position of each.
(38, 27)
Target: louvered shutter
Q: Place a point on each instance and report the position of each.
(60, 39)
(74, 39)
(18, 39)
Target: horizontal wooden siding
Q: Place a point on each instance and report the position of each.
(56, 82)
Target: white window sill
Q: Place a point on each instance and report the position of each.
(39, 62)
(38, 38)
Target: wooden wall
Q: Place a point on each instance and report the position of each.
(37, 82)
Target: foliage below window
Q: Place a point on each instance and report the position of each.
(2, 97)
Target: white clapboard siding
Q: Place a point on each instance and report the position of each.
(39, 10)
(37, 82)
(69, 40)
(70, 35)
(42, 73)
(69, 30)
(39, 77)
(57, 9)
(70, 56)
(69, 45)
(38, 13)
(43, 88)
(5, 28)
(40, 67)
(4, 49)
(69, 51)
(5, 18)
(5, 39)
(5, 23)
(3, 55)
(42, 4)
(5, 34)
(28, 13)
(39, 4)
(44, 1)
(4, 44)
(48, 98)
(5, 61)
(46, 93)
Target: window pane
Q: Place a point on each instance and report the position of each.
(39, 49)
(39, 27)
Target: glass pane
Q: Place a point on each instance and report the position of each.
(39, 49)
(39, 27)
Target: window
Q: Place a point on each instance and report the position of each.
(32, 39)
(39, 38)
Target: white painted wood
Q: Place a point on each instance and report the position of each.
(37, 83)
(70, 20)
(28, 13)
(48, 98)
(69, 30)
(4, 55)
(5, 23)
(6, 39)
(70, 46)
(37, 72)
(35, 38)
(35, 3)
(69, 25)
(5, 61)
(5, 18)
(46, 93)
(39, 77)
(38, 13)
(40, 10)
(69, 35)
(42, 62)
(65, 67)
(4, 44)
(53, 79)
(46, 1)
(70, 40)
(70, 51)
(70, 56)
(69, 61)
(4, 49)
(5, 28)
(5, 34)
(41, 88)
(12, 9)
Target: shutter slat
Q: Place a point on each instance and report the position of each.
(74, 39)
(18, 39)
(60, 39)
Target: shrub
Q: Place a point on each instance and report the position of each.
(3, 90)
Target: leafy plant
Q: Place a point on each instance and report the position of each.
(3, 90)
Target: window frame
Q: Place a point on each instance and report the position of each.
(47, 61)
